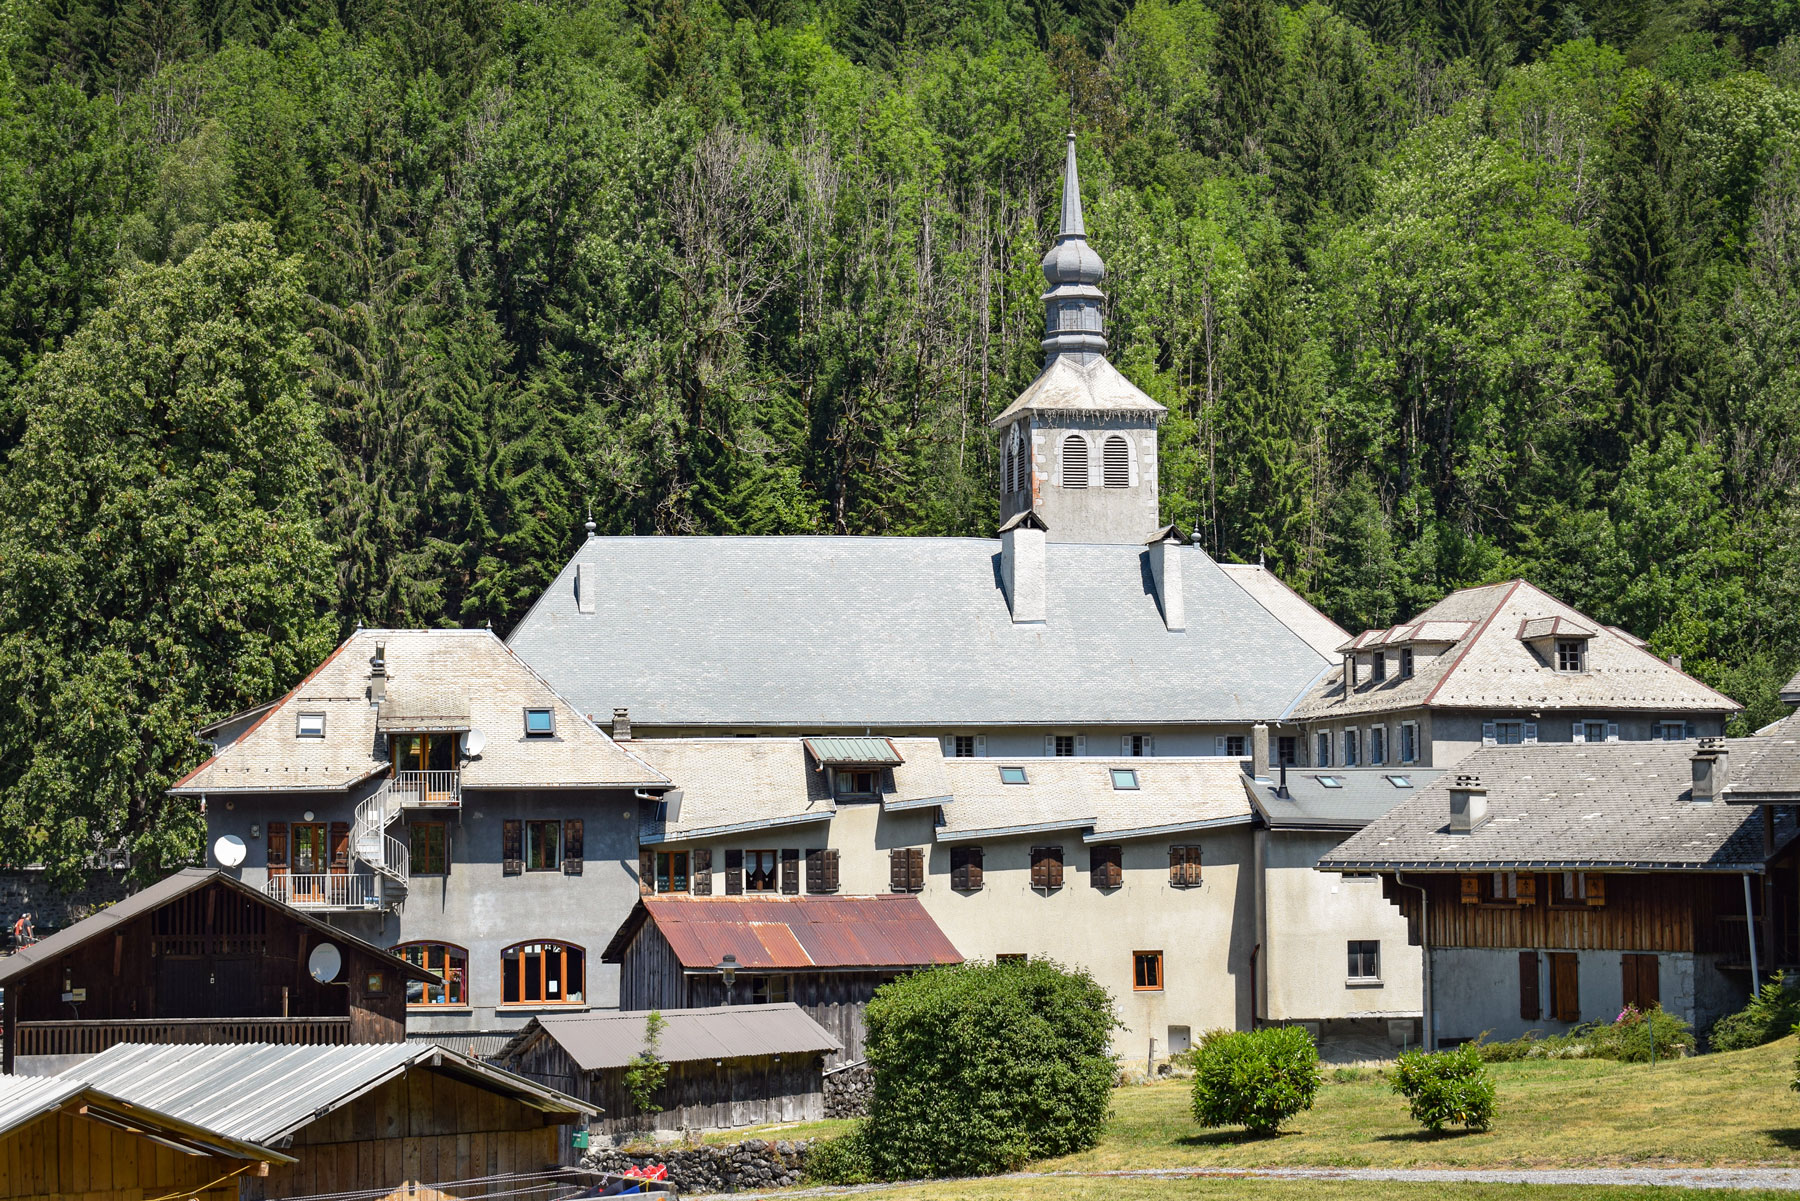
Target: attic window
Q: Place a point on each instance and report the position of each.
(1400, 781)
(1115, 463)
(1124, 778)
(1329, 781)
(540, 723)
(310, 725)
(1012, 775)
(1378, 666)
(1406, 663)
(1571, 654)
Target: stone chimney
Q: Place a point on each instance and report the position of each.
(1259, 750)
(1468, 805)
(1022, 567)
(1165, 572)
(621, 725)
(1709, 771)
(378, 676)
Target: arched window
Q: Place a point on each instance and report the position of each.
(1075, 462)
(451, 963)
(1115, 462)
(543, 973)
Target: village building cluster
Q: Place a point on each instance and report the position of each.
(744, 782)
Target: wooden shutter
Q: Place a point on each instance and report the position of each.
(278, 848)
(571, 864)
(1525, 888)
(734, 873)
(1530, 1008)
(1565, 987)
(974, 869)
(915, 869)
(1040, 867)
(1104, 867)
(701, 861)
(790, 871)
(1593, 888)
(1471, 890)
(897, 870)
(1642, 986)
(965, 869)
(646, 873)
(512, 842)
(1178, 867)
(1056, 867)
(815, 870)
(831, 871)
(340, 848)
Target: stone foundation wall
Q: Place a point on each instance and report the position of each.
(847, 1091)
(720, 1168)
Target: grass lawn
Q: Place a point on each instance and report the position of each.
(1290, 1190)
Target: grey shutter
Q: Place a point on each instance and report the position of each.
(1488, 735)
(1219, 745)
(1049, 744)
(1612, 731)
(1080, 745)
(981, 746)
(1531, 732)
(702, 877)
(1578, 732)
(1125, 744)
(734, 873)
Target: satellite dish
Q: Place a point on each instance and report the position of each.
(473, 741)
(229, 850)
(323, 964)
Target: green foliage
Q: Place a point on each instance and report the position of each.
(645, 1074)
(981, 1067)
(1447, 1088)
(1256, 1079)
(1771, 1014)
(842, 1160)
(1627, 1039)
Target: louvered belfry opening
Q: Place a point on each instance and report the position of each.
(1075, 462)
(1115, 462)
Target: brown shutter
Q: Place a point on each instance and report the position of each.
(1527, 886)
(734, 873)
(1193, 867)
(1642, 986)
(1471, 890)
(1565, 987)
(340, 847)
(915, 869)
(790, 871)
(646, 873)
(572, 847)
(1105, 867)
(702, 877)
(1595, 887)
(831, 871)
(512, 841)
(974, 869)
(1530, 1007)
(897, 869)
(1177, 867)
(1053, 865)
(278, 848)
(1040, 867)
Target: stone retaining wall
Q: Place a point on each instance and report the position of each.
(53, 909)
(719, 1168)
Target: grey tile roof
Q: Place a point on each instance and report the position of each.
(1572, 805)
(1068, 387)
(1078, 794)
(1490, 666)
(1790, 691)
(1362, 795)
(440, 678)
(824, 633)
(1772, 773)
(612, 1039)
(1289, 607)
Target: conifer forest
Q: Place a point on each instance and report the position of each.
(319, 313)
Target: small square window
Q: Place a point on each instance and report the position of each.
(1571, 654)
(1365, 960)
(1329, 781)
(1146, 971)
(1012, 775)
(965, 746)
(540, 723)
(310, 725)
(375, 984)
(1124, 778)
(1234, 746)
(854, 783)
(1065, 746)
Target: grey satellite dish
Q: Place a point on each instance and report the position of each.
(472, 742)
(229, 850)
(323, 964)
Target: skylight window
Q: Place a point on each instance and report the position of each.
(1012, 775)
(540, 723)
(311, 725)
(1124, 778)
(1329, 781)
(1400, 781)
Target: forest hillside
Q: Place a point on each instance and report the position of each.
(324, 312)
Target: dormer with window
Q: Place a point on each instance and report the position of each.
(1558, 642)
(856, 767)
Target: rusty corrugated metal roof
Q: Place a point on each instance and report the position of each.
(791, 933)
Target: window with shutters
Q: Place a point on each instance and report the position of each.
(543, 846)
(1064, 746)
(1146, 971)
(1565, 987)
(425, 847)
(702, 874)
(1590, 731)
(1106, 866)
(543, 973)
(1509, 733)
(1074, 462)
(1184, 867)
(512, 846)
(1352, 748)
(821, 870)
(1365, 961)
(734, 872)
(1324, 759)
(1577, 890)
(451, 963)
(1115, 462)
(1234, 746)
(1409, 742)
(760, 871)
(790, 871)
(906, 869)
(1530, 1008)
(671, 871)
(1672, 731)
(1137, 746)
(572, 847)
(963, 746)
(1046, 868)
(965, 869)
(1377, 745)
(278, 847)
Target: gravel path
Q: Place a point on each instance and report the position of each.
(1697, 1178)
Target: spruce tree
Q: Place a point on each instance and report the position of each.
(1470, 29)
(1247, 66)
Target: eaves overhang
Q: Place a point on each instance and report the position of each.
(1214, 823)
(1072, 823)
(664, 838)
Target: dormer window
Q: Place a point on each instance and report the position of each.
(1350, 669)
(310, 725)
(1075, 462)
(1406, 663)
(540, 723)
(1571, 654)
(1378, 666)
(854, 783)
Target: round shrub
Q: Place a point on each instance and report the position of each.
(1771, 1014)
(1447, 1088)
(981, 1067)
(840, 1160)
(1256, 1079)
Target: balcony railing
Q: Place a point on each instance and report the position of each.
(93, 1037)
(426, 789)
(337, 891)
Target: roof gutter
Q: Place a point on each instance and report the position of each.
(667, 836)
(1216, 823)
(1073, 823)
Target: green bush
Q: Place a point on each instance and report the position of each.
(840, 1160)
(1771, 1014)
(981, 1067)
(1256, 1079)
(1628, 1037)
(1447, 1088)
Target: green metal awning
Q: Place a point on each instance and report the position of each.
(854, 752)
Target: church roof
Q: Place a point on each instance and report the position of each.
(824, 633)
(1072, 388)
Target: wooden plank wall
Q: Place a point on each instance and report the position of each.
(64, 1155)
(1662, 912)
(835, 1000)
(650, 975)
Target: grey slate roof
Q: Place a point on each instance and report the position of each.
(1566, 806)
(1362, 795)
(261, 1092)
(1289, 607)
(823, 633)
(1790, 691)
(1072, 388)
(1078, 794)
(613, 1038)
(1772, 773)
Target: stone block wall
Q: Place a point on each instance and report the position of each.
(52, 909)
(752, 1165)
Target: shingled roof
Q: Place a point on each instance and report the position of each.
(1571, 806)
(791, 933)
(1772, 774)
(1079, 794)
(1288, 607)
(1491, 662)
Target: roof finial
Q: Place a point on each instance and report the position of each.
(591, 527)
(1072, 225)
(1072, 269)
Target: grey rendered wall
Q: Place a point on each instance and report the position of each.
(1447, 736)
(1025, 742)
(1477, 991)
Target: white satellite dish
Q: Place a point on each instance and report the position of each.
(323, 964)
(473, 741)
(229, 850)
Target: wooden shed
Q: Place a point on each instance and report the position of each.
(196, 957)
(741, 1066)
(826, 954)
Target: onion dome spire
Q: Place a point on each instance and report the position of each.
(1073, 271)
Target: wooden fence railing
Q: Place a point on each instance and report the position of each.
(93, 1037)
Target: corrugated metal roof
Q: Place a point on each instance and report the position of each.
(24, 1099)
(479, 1044)
(791, 932)
(873, 752)
(596, 1041)
(261, 1091)
(161, 893)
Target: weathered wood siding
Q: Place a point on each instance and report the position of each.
(650, 976)
(1667, 911)
(64, 1155)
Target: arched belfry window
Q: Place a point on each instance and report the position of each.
(1075, 462)
(1115, 462)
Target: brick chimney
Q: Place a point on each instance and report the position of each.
(1468, 805)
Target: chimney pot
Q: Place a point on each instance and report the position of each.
(1468, 804)
(621, 725)
(1675, 662)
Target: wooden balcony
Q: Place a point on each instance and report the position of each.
(93, 1037)
(334, 892)
(426, 789)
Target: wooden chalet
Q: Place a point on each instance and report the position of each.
(196, 958)
(747, 1065)
(826, 954)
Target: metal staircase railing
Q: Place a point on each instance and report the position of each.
(370, 842)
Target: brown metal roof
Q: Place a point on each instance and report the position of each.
(600, 1040)
(795, 933)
